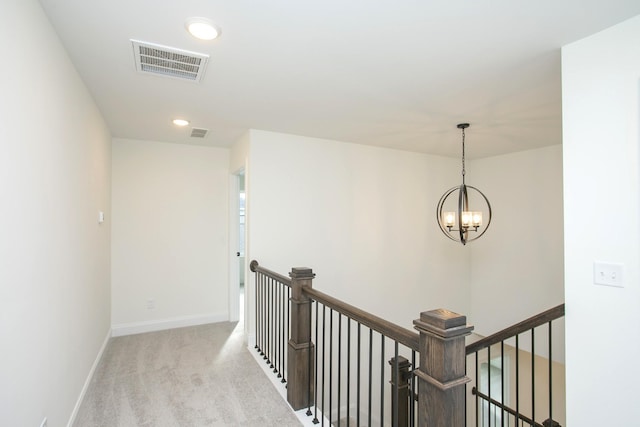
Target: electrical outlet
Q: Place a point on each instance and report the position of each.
(151, 304)
(44, 422)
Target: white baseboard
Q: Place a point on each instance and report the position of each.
(163, 324)
(72, 419)
(281, 388)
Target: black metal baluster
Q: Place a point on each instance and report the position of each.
(382, 337)
(258, 314)
(466, 388)
(412, 406)
(489, 384)
(339, 362)
(268, 317)
(265, 310)
(330, 365)
(315, 394)
(281, 330)
(533, 376)
(348, 370)
(502, 381)
(272, 327)
(478, 382)
(256, 310)
(517, 378)
(370, 370)
(358, 382)
(309, 360)
(265, 325)
(396, 396)
(324, 324)
(277, 330)
(274, 344)
(258, 323)
(285, 338)
(270, 323)
(287, 331)
(550, 376)
(263, 319)
(280, 327)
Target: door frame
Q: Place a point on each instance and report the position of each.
(234, 236)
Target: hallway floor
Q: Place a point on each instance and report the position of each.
(194, 376)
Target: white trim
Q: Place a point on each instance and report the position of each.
(163, 324)
(85, 387)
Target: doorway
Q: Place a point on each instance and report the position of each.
(241, 243)
(237, 264)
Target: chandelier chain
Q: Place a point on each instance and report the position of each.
(463, 165)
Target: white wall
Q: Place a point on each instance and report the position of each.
(601, 76)
(54, 257)
(239, 153)
(170, 237)
(517, 267)
(362, 217)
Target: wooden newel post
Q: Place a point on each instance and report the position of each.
(400, 378)
(300, 349)
(441, 376)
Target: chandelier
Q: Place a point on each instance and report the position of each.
(458, 221)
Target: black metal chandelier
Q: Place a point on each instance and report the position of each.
(461, 223)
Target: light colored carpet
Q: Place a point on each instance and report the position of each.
(195, 376)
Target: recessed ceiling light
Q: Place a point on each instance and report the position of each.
(202, 28)
(180, 122)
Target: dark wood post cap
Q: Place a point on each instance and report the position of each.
(403, 363)
(443, 323)
(301, 273)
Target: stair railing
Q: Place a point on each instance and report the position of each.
(514, 374)
(336, 363)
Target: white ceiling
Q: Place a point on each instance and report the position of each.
(388, 73)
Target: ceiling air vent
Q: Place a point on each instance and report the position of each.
(168, 61)
(198, 132)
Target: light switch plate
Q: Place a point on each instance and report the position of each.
(608, 274)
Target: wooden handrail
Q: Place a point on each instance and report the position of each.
(256, 268)
(386, 328)
(439, 341)
(518, 328)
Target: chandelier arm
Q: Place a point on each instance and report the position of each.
(439, 213)
(463, 205)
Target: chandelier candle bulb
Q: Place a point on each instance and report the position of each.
(466, 219)
(450, 219)
(477, 219)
